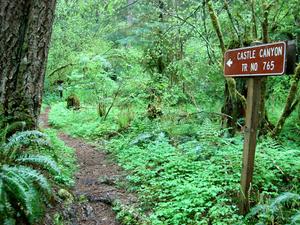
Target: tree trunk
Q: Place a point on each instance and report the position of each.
(253, 20)
(25, 31)
(290, 105)
(130, 13)
(297, 26)
(160, 63)
(232, 97)
(264, 124)
(235, 28)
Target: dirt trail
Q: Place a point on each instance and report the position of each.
(95, 181)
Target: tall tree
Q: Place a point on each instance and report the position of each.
(25, 31)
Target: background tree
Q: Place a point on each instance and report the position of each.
(174, 46)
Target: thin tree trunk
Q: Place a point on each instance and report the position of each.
(205, 30)
(129, 19)
(130, 13)
(178, 39)
(232, 96)
(25, 31)
(253, 18)
(264, 125)
(290, 104)
(297, 26)
(237, 33)
(160, 63)
(216, 25)
(265, 22)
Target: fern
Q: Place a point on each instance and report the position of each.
(283, 199)
(27, 138)
(16, 190)
(33, 177)
(25, 196)
(41, 161)
(23, 188)
(295, 219)
(279, 210)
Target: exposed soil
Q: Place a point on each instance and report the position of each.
(96, 182)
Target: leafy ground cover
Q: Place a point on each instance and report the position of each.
(186, 172)
(64, 157)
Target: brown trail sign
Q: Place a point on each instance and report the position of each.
(260, 60)
(253, 62)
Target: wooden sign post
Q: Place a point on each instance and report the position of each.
(253, 62)
(253, 112)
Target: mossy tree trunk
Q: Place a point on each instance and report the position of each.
(25, 31)
(291, 103)
(233, 99)
(253, 20)
(265, 125)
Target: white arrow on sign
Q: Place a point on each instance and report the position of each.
(229, 62)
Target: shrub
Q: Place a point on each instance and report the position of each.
(124, 118)
(73, 102)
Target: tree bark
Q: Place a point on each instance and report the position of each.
(25, 32)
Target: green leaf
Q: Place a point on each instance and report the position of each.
(41, 161)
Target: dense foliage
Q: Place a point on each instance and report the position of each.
(144, 80)
(148, 75)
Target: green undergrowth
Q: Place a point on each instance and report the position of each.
(199, 180)
(64, 157)
(186, 172)
(82, 123)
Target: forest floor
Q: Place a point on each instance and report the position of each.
(96, 187)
